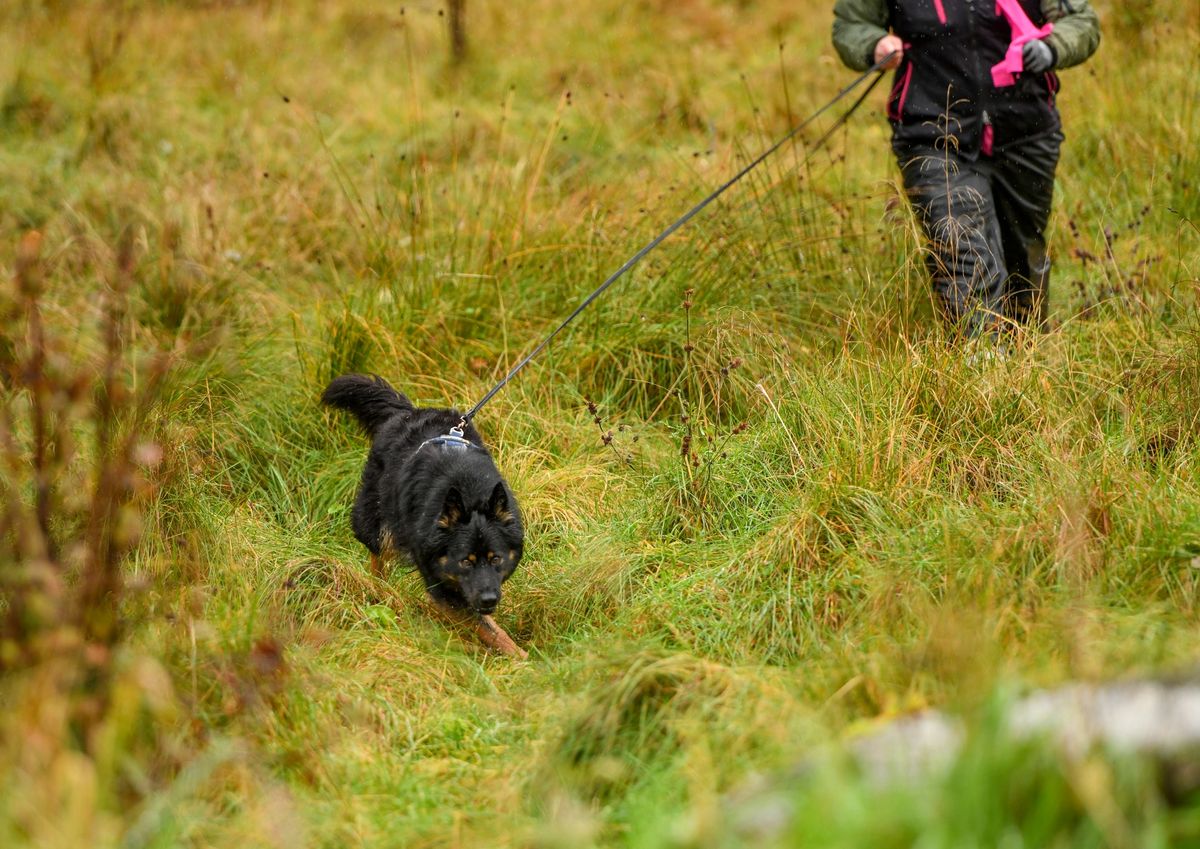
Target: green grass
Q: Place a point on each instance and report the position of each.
(313, 189)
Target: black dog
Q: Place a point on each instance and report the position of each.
(439, 501)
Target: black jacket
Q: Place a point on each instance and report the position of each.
(944, 85)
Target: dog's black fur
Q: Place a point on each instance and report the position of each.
(447, 508)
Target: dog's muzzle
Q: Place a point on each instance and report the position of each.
(487, 602)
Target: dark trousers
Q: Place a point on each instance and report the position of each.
(985, 223)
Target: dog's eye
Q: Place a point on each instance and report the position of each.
(497, 560)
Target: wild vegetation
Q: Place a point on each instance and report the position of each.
(769, 504)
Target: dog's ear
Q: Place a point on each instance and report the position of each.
(453, 511)
(498, 507)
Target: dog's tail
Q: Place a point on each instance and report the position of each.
(371, 399)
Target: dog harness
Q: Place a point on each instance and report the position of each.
(454, 441)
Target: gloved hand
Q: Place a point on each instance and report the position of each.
(1037, 56)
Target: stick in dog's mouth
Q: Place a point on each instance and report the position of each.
(486, 628)
(493, 636)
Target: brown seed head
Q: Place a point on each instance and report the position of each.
(29, 270)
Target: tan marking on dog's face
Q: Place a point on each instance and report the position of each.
(443, 561)
(512, 554)
(491, 555)
(471, 557)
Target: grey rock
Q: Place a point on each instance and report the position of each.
(910, 747)
(1158, 719)
(1147, 717)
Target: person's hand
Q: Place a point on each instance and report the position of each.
(889, 44)
(1036, 55)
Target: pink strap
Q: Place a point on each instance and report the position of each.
(1024, 31)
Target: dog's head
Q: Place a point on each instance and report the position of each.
(481, 543)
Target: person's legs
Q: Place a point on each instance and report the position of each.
(1023, 186)
(953, 201)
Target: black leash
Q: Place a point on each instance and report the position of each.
(691, 213)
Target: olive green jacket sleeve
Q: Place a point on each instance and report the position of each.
(857, 27)
(1076, 31)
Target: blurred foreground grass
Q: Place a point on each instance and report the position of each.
(863, 523)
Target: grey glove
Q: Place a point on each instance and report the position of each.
(1038, 56)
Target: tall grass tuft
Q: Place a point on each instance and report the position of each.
(80, 462)
(79, 458)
